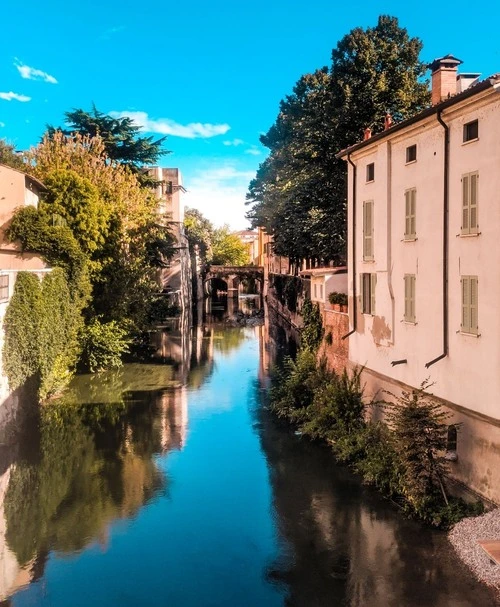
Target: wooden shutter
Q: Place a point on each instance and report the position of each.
(473, 183)
(413, 210)
(407, 214)
(373, 284)
(368, 229)
(473, 316)
(409, 314)
(465, 204)
(465, 285)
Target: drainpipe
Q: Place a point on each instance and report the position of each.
(354, 281)
(445, 239)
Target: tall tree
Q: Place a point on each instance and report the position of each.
(227, 248)
(199, 231)
(299, 192)
(120, 137)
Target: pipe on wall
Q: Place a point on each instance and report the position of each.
(354, 281)
(445, 239)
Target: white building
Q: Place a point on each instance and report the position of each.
(424, 259)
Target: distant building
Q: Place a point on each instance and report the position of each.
(424, 254)
(250, 238)
(175, 280)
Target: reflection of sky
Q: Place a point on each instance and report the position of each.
(206, 543)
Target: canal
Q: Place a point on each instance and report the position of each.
(169, 484)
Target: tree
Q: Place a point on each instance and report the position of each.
(120, 137)
(227, 248)
(199, 232)
(9, 156)
(299, 192)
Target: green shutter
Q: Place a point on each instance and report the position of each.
(373, 284)
(465, 204)
(413, 208)
(465, 285)
(473, 183)
(473, 304)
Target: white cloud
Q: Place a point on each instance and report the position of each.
(10, 96)
(253, 151)
(235, 142)
(31, 73)
(165, 126)
(219, 193)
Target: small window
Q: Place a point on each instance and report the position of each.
(368, 230)
(409, 315)
(4, 287)
(315, 291)
(471, 131)
(321, 292)
(370, 172)
(469, 287)
(451, 439)
(410, 214)
(367, 288)
(411, 153)
(470, 183)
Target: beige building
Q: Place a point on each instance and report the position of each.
(17, 190)
(424, 253)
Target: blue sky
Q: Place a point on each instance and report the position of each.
(210, 75)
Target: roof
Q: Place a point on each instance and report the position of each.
(324, 271)
(474, 89)
(41, 185)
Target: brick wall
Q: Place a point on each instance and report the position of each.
(337, 325)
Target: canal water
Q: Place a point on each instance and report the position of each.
(169, 484)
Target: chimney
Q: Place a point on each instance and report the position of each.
(367, 133)
(444, 78)
(466, 80)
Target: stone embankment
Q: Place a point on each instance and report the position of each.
(465, 537)
(241, 319)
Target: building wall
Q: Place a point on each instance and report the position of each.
(334, 348)
(465, 379)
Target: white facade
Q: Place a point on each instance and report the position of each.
(396, 332)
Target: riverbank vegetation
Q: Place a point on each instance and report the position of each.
(97, 226)
(402, 456)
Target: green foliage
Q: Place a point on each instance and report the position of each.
(77, 200)
(299, 192)
(120, 136)
(21, 352)
(103, 345)
(9, 157)
(312, 331)
(287, 289)
(199, 232)
(338, 298)
(420, 430)
(403, 461)
(41, 326)
(227, 248)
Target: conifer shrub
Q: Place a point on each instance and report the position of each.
(312, 331)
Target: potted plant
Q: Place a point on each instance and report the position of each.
(338, 301)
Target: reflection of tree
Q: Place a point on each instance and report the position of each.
(91, 465)
(228, 339)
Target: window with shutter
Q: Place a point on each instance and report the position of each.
(410, 214)
(368, 230)
(470, 183)
(4, 287)
(469, 288)
(368, 284)
(409, 281)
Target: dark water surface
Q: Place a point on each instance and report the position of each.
(170, 485)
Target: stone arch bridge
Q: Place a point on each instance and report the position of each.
(233, 277)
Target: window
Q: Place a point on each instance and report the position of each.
(469, 286)
(469, 203)
(370, 172)
(315, 291)
(321, 292)
(367, 288)
(411, 153)
(451, 443)
(368, 230)
(409, 315)
(471, 131)
(410, 214)
(4, 287)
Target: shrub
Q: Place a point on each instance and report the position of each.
(312, 331)
(338, 298)
(103, 345)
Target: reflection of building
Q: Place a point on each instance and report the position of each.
(175, 280)
(423, 248)
(174, 418)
